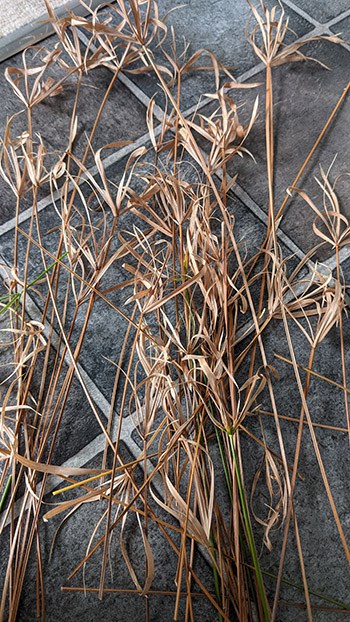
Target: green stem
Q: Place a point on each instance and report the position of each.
(216, 575)
(250, 537)
(17, 297)
(327, 599)
(5, 493)
(229, 488)
(224, 464)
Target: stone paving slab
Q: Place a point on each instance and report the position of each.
(323, 11)
(343, 29)
(324, 558)
(77, 416)
(105, 333)
(25, 23)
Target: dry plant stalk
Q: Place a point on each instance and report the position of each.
(185, 374)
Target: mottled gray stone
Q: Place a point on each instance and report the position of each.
(345, 273)
(322, 11)
(78, 424)
(106, 329)
(342, 29)
(304, 98)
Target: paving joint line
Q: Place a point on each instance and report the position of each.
(344, 45)
(97, 445)
(301, 12)
(113, 158)
(250, 73)
(243, 196)
(312, 20)
(35, 313)
(83, 456)
(329, 263)
(338, 18)
(237, 189)
(253, 71)
(159, 113)
(144, 99)
(35, 32)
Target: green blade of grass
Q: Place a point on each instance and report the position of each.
(17, 297)
(250, 537)
(5, 493)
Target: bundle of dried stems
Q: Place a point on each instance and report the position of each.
(193, 370)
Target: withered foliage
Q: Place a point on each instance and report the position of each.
(197, 305)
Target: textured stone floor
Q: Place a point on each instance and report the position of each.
(305, 95)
